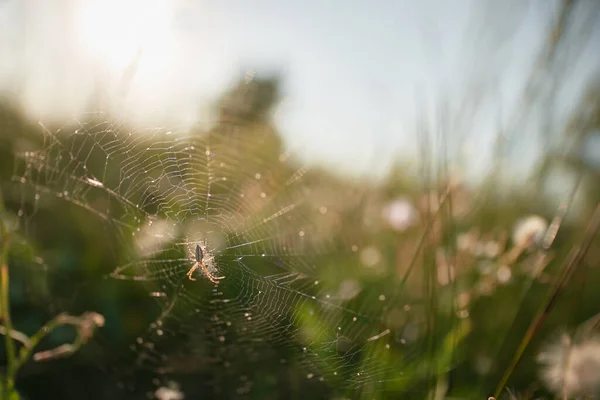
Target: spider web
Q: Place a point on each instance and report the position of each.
(288, 304)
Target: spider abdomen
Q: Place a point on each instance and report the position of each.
(199, 253)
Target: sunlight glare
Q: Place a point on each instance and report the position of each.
(114, 32)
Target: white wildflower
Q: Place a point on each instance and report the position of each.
(349, 289)
(478, 249)
(400, 214)
(571, 369)
(170, 392)
(529, 230)
(491, 249)
(503, 274)
(466, 241)
(370, 256)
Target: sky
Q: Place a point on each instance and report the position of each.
(357, 75)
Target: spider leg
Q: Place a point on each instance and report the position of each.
(211, 277)
(191, 271)
(190, 250)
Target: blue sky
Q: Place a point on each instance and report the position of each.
(357, 74)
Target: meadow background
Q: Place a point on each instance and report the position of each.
(499, 266)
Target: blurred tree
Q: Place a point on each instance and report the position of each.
(244, 120)
(250, 100)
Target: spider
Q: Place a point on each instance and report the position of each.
(200, 262)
